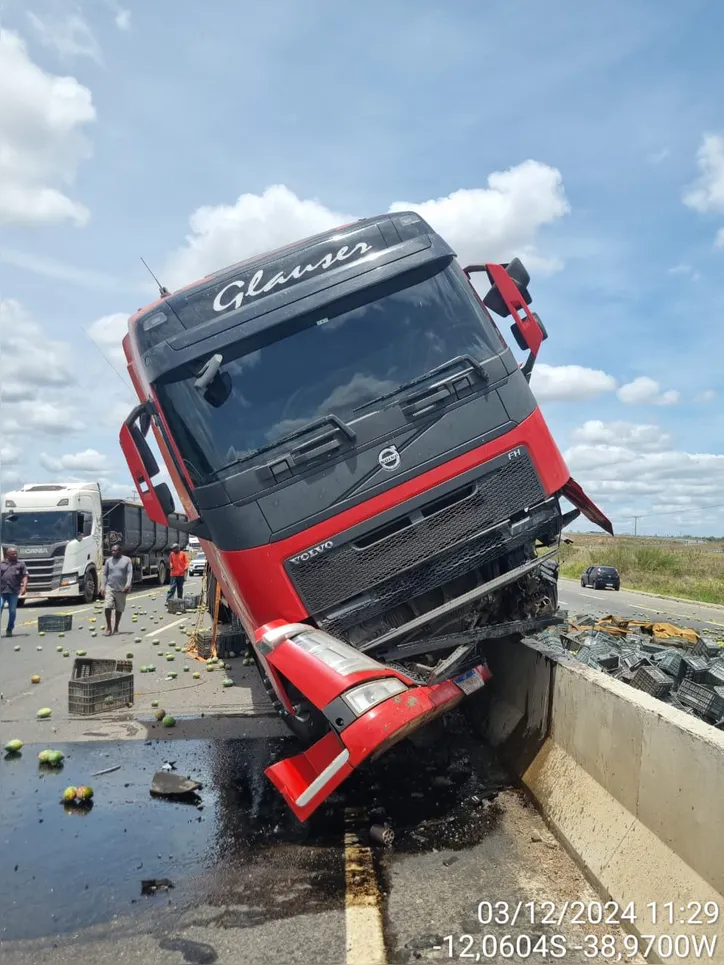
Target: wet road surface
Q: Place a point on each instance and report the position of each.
(250, 884)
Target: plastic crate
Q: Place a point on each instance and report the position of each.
(230, 641)
(672, 663)
(695, 668)
(55, 622)
(84, 667)
(707, 701)
(192, 601)
(652, 681)
(176, 606)
(714, 676)
(100, 693)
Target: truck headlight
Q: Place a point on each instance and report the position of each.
(366, 696)
(69, 580)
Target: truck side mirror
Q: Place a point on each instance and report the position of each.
(143, 467)
(509, 295)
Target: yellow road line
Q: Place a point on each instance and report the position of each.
(363, 914)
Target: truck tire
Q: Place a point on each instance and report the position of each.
(163, 572)
(307, 724)
(90, 586)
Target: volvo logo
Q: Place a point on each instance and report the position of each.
(314, 551)
(389, 458)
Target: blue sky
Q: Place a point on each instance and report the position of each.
(173, 122)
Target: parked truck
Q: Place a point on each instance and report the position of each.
(64, 532)
(368, 472)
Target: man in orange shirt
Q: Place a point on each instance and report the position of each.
(179, 565)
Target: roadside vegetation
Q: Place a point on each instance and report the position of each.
(669, 567)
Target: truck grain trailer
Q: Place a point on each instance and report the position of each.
(367, 469)
(64, 531)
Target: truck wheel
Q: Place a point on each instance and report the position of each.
(90, 587)
(162, 572)
(308, 724)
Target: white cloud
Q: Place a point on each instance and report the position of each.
(646, 391)
(625, 434)
(637, 468)
(107, 332)
(29, 360)
(66, 32)
(707, 192)
(42, 119)
(48, 418)
(719, 240)
(123, 19)
(684, 269)
(9, 455)
(708, 395)
(10, 477)
(569, 383)
(492, 223)
(58, 270)
(88, 461)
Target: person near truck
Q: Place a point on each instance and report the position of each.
(179, 565)
(115, 586)
(13, 584)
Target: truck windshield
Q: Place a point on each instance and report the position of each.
(332, 362)
(36, 528)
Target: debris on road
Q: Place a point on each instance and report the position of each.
(150, 886)
(107, 770)
(674, 664)
(382, 835)
(167, 784)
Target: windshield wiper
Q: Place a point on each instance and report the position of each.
(437, 393)
(322, 444)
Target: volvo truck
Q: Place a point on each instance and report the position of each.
(368, 471)
(64, 532)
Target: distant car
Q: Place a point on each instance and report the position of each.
(601, 577)
(198, 565)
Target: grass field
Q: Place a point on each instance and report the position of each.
(695, 572)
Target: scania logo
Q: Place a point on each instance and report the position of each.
(389, 458)
(314, 551)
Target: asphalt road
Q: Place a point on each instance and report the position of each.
(639, 606)
(249, 882)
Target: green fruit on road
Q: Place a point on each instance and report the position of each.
(155, 643)
(170, 656)
(209, 667)
(186, 669)
(172, 675)
(81, 653)
(13, 746)
(61, 634)
(129, 656)
(137, 640)
(196, 675)
(44, 757)
(160, 714)
(247, 661)
(35, 679)
(154, 703)
(69, 793)
(55, 758)
(41, 633)
(83, 793)
(44, 713)
(226, 682)
(169, 721)
(142, 669)
(151, 668)
(16, 648)
(59, 648)
(66, 653)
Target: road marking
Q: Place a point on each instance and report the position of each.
(363, 915)
(86, 609)
(155, 633)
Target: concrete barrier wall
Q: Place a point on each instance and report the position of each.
(634, 788)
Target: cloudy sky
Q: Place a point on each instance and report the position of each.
(587, 140)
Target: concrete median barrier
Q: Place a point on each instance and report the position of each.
(632, 787)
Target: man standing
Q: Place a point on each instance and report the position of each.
(179, 564)
(13, 584)
(115, 585)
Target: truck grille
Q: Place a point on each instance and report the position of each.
(44, 574)
(449, 523)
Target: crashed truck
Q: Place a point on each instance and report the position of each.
(367, 469)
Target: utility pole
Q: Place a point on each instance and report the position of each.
(636, 524)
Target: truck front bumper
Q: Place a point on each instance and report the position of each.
(308, 778)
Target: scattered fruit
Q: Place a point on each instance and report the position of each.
(59, 648)
(142, 669)
(170, 656)
(247, 661)
(196, 675)
(13, 747)
(16, 647)
(154, 703)
(84, 793)
(172, 675)
(41, 633)
(226, 682)
(155, 643)
(160, 714)
(66, 653)
(186, 669)
(151, 668)
(169, 721)
(209, 667)
(61, 634)
(51, 758)
(44, 713)
(69, 793)
(81, 653)
(92, 619)
(35, 679)
(137, 640)
(39, 648)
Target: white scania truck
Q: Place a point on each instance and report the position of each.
(64, 531)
